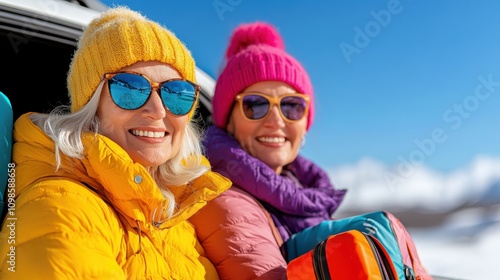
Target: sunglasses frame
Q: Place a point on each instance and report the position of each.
(154, 87)
(273, 101)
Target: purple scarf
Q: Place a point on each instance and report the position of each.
(300, 197)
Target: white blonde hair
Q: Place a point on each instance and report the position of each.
(66, 129)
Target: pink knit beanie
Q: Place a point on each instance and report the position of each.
(256, 53)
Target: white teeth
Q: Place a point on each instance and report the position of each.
(150, 134)
(272, 139)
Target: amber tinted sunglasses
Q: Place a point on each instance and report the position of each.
(256, 106)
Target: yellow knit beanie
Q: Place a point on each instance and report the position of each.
(118, 38)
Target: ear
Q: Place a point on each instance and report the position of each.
(303, 141)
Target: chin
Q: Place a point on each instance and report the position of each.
(148, 163)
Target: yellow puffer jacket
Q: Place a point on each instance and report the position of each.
(95, 218)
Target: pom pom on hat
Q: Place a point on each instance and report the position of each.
(253, 34)
(118, 38)
(256, 53)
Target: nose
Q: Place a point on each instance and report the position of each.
(274, 119)
(154, 107)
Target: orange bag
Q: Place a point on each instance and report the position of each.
(347, 255)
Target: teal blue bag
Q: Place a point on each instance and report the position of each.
(381, 225)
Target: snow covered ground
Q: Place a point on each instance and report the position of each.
(467, 247)
(454, 217)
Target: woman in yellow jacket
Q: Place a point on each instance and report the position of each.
(104, 191)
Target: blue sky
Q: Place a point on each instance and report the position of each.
(402, 82)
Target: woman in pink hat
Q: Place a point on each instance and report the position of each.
(263, 106)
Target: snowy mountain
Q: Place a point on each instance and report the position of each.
(372, 185)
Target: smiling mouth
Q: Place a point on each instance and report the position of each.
(272, 139)
(150, 134)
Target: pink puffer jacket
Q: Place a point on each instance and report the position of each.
(239, 237)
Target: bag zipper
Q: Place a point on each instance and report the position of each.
(382, 259)
(320, 263)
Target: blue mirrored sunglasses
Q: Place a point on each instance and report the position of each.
(131, 91)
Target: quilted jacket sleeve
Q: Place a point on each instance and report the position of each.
(60, 230)
(237, 237)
